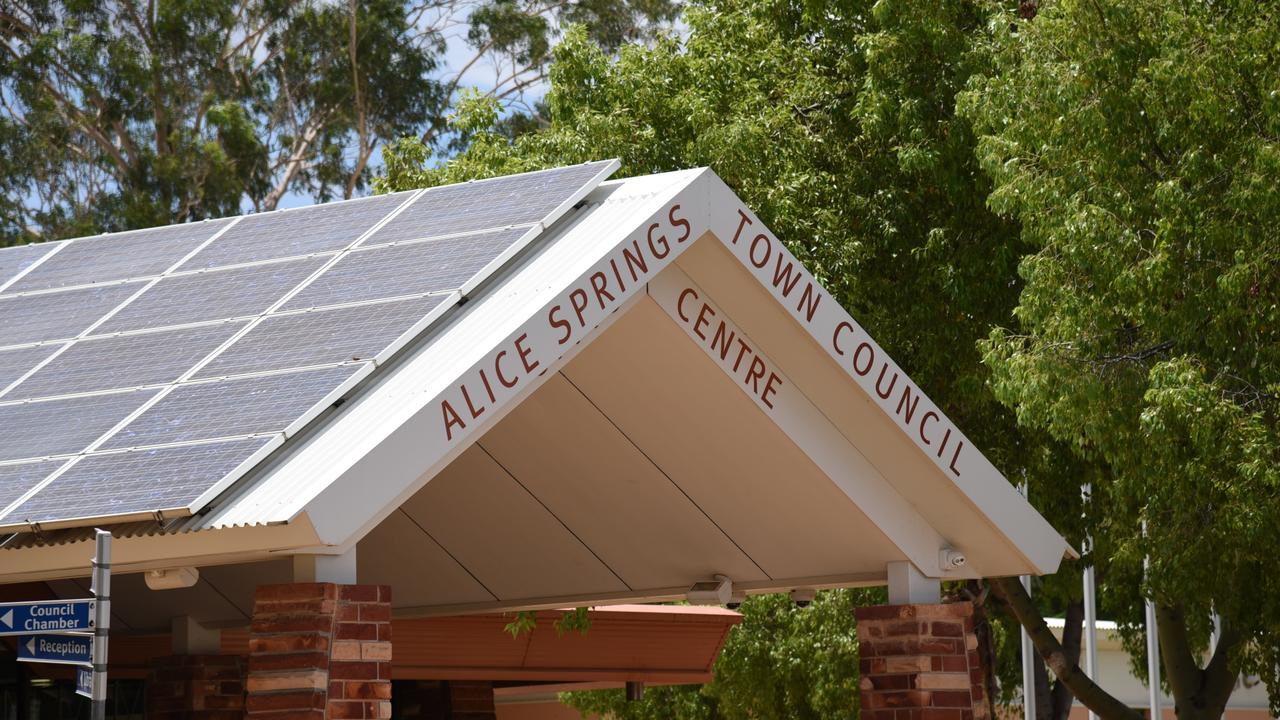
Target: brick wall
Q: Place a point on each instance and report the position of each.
(318, 651)
(921, 662)
(196, 687)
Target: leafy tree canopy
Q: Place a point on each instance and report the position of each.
(125, 114)
(1136, 144)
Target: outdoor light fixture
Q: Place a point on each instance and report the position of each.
(950, 559)
(172, 578)
(711, 592)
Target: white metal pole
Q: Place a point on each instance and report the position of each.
(1028, 654)
(101, 622)
(1153, 647)
(1028, 667)
(1090, 610)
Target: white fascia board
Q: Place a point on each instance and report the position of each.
(956, 459)
(428, 407)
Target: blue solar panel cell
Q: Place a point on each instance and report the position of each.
(124, 361)
(128, 483)
(408, 269)
(17, 480)
(17, 258)
(237, 292)
(58, 315)
(104, 258)
(229, 408)
(487, 204)
(66, 426)
(320, 337)
(301, 231)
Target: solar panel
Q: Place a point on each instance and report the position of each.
(275, 235)
(320, 337)
(237, 292)
(484, 204)
(16, 480)
(228, 408)
(61, 427)
(117, 326)
(59, 315)
(103, 258)
(17, 362)
(141, 481)
(124, 361)
(409, 269)
(15, 259)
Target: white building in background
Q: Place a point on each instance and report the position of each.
(1115, 675)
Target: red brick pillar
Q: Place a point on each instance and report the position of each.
(320, 651)
(921, 662)
(196, 687)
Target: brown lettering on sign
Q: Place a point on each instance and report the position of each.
(748, 367)
(783, 275)
(599, 292)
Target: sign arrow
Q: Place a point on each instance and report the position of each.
(57, 616)
(64, 649)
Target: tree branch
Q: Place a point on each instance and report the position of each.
(1055, 656)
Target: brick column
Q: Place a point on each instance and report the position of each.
(921, 662)
(196, 687)
(320, 651)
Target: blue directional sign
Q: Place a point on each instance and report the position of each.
(66, 649)
(84, 682)
(46, 616)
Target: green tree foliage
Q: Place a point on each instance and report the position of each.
(125, 114)
(782, 663)
(1138, 145)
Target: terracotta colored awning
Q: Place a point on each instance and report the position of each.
(658, 644)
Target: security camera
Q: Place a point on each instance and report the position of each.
(803, 596)
(951, 559)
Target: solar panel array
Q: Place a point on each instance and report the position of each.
(141, 373)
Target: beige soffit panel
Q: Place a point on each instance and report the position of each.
(399, 553)
(500, 533)
(608, 492)
(724, 453)
(887, 448)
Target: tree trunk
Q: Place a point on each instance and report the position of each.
(1072, 631)
(1197, 694)
(1092, 696)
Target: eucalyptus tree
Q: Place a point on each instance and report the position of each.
(123, 114)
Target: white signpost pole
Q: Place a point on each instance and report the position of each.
(1028, 654)
(1090, 610)
(101, 622)
(1153, 647)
